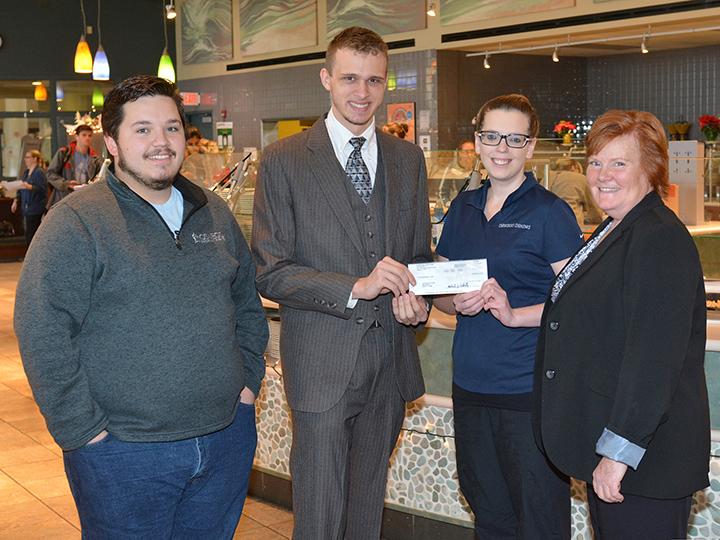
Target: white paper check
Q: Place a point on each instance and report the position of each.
(448, 277)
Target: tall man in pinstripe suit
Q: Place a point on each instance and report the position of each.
(340, 210)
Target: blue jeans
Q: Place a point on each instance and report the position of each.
(192, 488)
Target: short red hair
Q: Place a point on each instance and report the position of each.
(649, 134)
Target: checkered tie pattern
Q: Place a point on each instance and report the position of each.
(357, 171)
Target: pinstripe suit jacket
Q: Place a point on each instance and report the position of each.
(309, 253)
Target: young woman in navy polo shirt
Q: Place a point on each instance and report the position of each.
(527, 234)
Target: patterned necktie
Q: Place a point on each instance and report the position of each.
(357, 171)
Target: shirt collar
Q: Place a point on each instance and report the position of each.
(479, 197)
(340, 135)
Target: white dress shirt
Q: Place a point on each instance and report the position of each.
(340, 138)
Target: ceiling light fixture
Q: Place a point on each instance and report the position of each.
(486, 62)
(431, 10)
(83, 57)
(643, 46)
(165, 66)
(101, 66)
(170, 12)
(569, 43)
(555, 57)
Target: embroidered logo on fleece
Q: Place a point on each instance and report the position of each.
(514, 226)
(206, 238)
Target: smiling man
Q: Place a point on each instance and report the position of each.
(340, 210)
(148, 377)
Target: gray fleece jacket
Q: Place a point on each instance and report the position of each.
(125, 327)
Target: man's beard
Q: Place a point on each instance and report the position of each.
(157, 184)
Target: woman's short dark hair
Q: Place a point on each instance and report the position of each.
(510, 102)
(132, 89)
(649, 134)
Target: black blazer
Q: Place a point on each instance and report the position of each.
(623, 347)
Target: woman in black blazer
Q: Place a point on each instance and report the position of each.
(620, 384)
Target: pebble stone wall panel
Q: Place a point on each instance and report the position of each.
(422, 478)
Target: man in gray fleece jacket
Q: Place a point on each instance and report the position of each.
(142, 335)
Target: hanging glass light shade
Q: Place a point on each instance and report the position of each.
(101, 66)
(98, 100)
(40, 92)
(83, 58)
(165, 67)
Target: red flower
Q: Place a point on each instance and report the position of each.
(709, 121)
(563, 127)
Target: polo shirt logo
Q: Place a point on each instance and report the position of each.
(514, 226)
(206, 238)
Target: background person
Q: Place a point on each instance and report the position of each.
(72, 165)
(622, 400)
(567, 181)
(32, 194)
(527, 235)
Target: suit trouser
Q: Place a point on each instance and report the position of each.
(339, 458)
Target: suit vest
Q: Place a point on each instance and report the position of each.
(370, 220)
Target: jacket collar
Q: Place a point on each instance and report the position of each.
(650, 201)
(192, 194)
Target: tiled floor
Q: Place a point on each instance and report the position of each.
(35, 501)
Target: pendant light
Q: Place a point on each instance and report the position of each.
(59, 92)
(101, 66)
(98, 100)
(170, 12)
(40, 93)
(165, 67)
(83, 58)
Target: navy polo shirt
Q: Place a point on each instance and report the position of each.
(533, 229)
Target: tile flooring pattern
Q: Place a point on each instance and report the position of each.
(35, 500)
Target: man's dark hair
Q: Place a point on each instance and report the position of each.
(81, 128)
(132, 89)
(358, 39)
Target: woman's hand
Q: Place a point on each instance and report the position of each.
(496, 302)
(409, 309)
(469, 303)
(606, 480)
(13, 206)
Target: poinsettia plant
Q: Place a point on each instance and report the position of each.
(564, 127)
(710, 126)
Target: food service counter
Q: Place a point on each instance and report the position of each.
(422, 478)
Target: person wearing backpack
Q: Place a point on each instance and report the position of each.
(73, 165)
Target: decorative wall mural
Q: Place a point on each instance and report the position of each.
(206, 34)
(277, 25)
(463, 11)
(380, 15)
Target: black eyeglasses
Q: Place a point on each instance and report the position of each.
(493, 138)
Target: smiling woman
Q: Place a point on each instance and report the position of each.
(508, 222)
(623, 402)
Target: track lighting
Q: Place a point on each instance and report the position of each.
(555, 57)
(486, 62)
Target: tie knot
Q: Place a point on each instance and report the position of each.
(357, 142)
